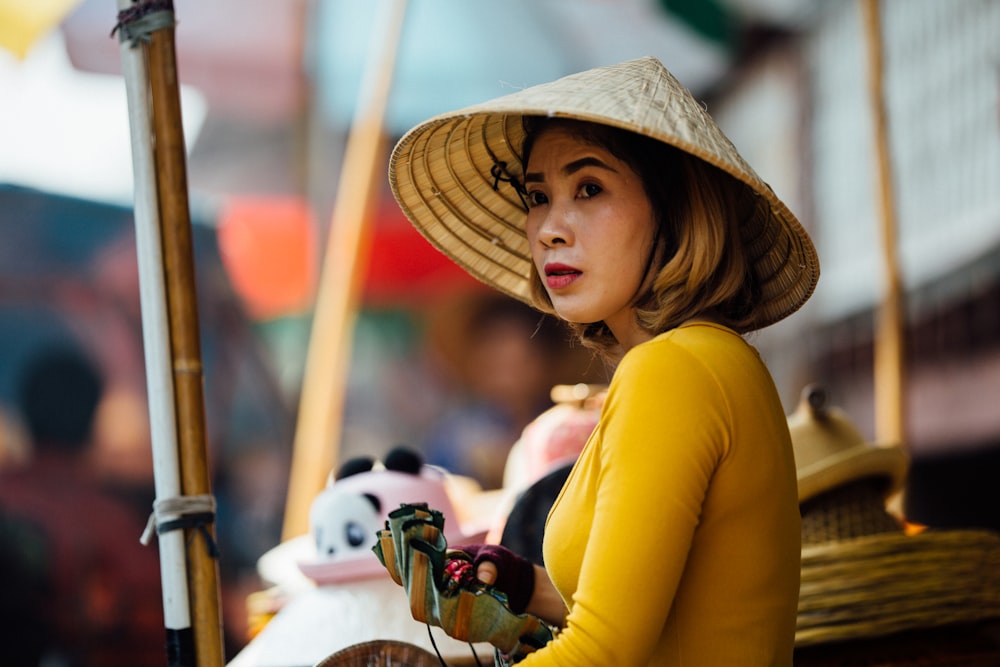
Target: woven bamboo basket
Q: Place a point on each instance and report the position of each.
(871, 595)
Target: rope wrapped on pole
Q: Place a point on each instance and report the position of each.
(174, 367)
(137, 22)
(170, 514)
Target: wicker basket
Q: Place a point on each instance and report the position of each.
(383, 653)
(862, 576)
(878, 585)
(951, 646)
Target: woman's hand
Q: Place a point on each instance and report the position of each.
(545, 601)
(486, 572)
(527, 586)
(504, 570)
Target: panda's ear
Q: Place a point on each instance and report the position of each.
(355, 466)
(404, 459)
(374, 501)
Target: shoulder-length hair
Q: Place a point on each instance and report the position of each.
(698, 264)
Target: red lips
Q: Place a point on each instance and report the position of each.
(559, 275)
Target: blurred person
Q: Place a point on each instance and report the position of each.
(13, 448)
(91, 597)
(121, 455)
(111, 327)
(26, 586)
(250, 486)
(506, 366)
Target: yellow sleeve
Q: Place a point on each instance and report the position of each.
(664, 430)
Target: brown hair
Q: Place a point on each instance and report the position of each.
(698, 265)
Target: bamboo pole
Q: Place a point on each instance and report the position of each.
(203, 576)
(156, 347)
(890, 379)
(317, 435)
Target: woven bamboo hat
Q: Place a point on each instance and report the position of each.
(830, 452)
(447, 175)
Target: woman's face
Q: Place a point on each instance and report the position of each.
(590, 229)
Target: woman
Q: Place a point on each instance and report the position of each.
(611, 199)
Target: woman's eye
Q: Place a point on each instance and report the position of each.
(589, 190)
(536, 198)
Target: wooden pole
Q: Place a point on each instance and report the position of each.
(890, 404)
(156, 346)
(317, 435)
(182, 306)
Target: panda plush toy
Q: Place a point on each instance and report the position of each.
(329, 592)
(345, 517)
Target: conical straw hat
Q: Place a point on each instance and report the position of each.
(447, 176)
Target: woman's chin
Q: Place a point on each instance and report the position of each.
(571, 314)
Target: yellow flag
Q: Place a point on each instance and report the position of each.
(23, 22)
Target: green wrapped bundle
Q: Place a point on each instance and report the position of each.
(443, 589)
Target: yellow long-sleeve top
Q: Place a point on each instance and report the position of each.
(676, 539)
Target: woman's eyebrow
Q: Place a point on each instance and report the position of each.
(571, 167)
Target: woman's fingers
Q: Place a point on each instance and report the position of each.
(487, 572)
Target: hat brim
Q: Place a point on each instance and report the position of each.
(442, 175)
(319, 621)
(856, 462)
(364, 564)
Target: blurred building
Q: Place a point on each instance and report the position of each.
(800, 109)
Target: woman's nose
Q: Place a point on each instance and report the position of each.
(555, 228)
